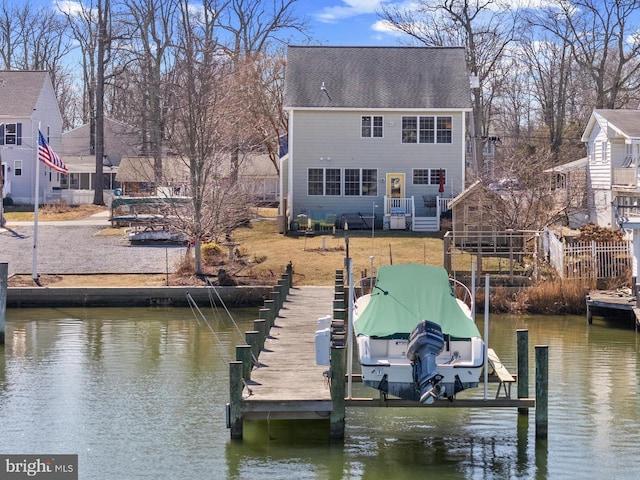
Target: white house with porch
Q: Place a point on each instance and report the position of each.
(374, 132)
(613, 168)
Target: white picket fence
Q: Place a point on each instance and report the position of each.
(588, 260)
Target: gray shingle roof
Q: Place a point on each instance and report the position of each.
(376, 77)
(19, 91)
(627, 121)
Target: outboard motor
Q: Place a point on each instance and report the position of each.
(425, 343)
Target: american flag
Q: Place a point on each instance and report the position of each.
(48, 156)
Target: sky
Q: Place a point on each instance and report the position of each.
(347, 22)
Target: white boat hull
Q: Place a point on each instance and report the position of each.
(385, 366)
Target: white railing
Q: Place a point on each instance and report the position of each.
(625, 176)
(398, 205)
(589, 260)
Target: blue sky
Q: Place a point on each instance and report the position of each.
(330, 22)
(347, 22)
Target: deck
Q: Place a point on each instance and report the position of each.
(612, 300)
(288, 384)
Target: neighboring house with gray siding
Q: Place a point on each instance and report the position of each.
(78, 153)
(375, 129)
(27, 102)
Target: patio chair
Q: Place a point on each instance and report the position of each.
(329, 222)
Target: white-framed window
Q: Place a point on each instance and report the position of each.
(371, 126)
(427, 129)
(429, 176)
(324, 181)
(360, 182)
(11, 134)
(17, 168)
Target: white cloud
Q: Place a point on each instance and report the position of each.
(69, 7)
(349, 8)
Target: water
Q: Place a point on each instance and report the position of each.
(140, 393)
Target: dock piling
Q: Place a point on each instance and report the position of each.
(234, 420)
(271, 306)
(260, 326)
(252, 338)
(542, 392)
(243, 354)
(4, 275)
(523, 367)
(337, 417)
(265, 314)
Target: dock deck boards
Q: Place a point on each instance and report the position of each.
(288, 373)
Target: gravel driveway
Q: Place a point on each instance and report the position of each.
(76, 247)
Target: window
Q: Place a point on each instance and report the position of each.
(421, 176)
(372, 126)
(11, 134)
(444, 130)
(427, 130)
(409, 129)
(324, 181)
(429, 176)
(17, 168)
(352, 181)
(316, 181)
(360, 182)
(369, 182)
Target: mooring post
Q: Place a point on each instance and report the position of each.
(251, 338)
(285, 283)
(523, 367)
(337, 388)
(283, 290)
(4, 276)
(275, 296)
(270, 305)
(260, 326)
(234, 421)
(542, 391)
(243, 354)
(265, 314)
(290, 274)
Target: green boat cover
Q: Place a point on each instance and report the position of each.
(406, 294)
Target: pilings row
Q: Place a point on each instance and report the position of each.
(4, 282)
(247, 355)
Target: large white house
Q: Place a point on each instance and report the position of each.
(374, 131)
(27, 102)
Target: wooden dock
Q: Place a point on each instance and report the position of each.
(615, 301)
(287, 383)
(275, 375)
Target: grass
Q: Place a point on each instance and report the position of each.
(262, 255)
(316, 258)
(49, 213)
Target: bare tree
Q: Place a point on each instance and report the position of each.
(484, 28)
(152, 24)
(603, 42)
(202, 77)
(251, 26)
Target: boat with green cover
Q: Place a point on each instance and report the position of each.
(416, 339)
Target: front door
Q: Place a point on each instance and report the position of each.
(395, 185)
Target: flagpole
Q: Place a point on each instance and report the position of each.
(34, 261)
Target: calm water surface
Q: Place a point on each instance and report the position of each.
(140, 393)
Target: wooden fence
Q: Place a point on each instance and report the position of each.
(589, 260)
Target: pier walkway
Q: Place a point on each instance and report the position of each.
(275, 375)
(288, 384)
